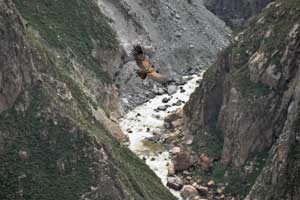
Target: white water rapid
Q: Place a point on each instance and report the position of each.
(143, 122)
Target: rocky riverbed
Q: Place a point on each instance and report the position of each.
(145, 126)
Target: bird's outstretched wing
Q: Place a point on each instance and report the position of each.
(157, 77)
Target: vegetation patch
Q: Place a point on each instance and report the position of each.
(72, 25)
(209, 142)
(293, 170)
(210, 72)
(33, 147)
(237, 183)
(142, 181)
(241, 79)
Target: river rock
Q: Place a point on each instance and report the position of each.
(188, 192)
(150, 95)
(182, 160)
(211, 183)
(170, 137)
(197, 198)
(220, 190)
(162, 108)
(205, 163)
(172, 89)
(180, 81)
(188, 139)
(167, 125)
(174, 120)
(178, 103)
(171, 117)
(177, 123)
(174, 183)
(202, 190)
(186, 173)
(129, 130)
(158, 91)
(171, 169)
(165, 100)
(156, 116)
(175, 150)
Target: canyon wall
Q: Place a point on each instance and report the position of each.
(58, 134)
(247, 103)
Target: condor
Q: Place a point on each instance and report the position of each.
(146, 68)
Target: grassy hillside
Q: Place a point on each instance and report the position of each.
(74, 26)
(51, 146)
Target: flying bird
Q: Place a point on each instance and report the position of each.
(146, 68)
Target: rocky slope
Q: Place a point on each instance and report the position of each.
(236, 12)
(246, 110)
(58, 139)
(180, 37)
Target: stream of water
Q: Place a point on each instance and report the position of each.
(143, 122)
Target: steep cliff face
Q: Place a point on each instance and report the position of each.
(248, 102)
(180, 37)
(236, 12)
(57, 103)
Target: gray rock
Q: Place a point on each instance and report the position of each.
(178, 103)
(180, 81)
(165, 100)
(186, 173)
(172, 89)
(188, 192)
(171, 169)
(183, 160)
(202, 190)
(158, 91)
(162, 108)
(175, 183)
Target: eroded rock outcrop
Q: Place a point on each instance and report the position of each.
(248, 101)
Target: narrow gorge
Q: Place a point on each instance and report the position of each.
(76, 122)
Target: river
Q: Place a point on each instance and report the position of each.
(143, 122)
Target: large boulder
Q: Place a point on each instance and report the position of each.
(175, 183)
(174, 120)
(171, 169)
(205, 163)
(183, 160)
(189, 192)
